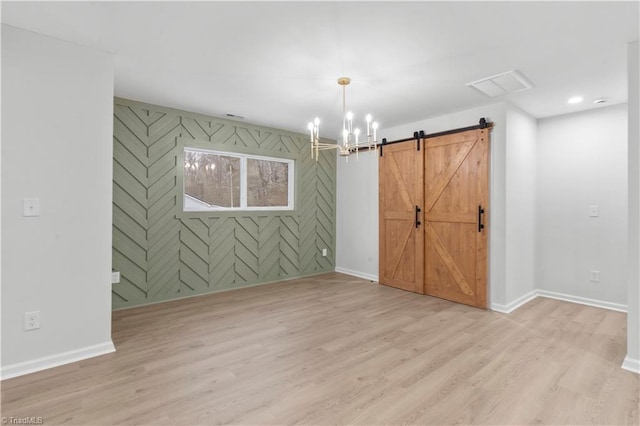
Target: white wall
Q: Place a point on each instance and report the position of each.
(582, 162)
(632, 360)
(357, 215)
(57, 109)
(520, 227)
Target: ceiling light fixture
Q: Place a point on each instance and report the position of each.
(350, 136)
(575, 100)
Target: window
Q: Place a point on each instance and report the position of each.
(219, 181)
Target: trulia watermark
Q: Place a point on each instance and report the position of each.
(27, 420)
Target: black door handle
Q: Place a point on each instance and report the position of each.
(418, 223)
(480, 213)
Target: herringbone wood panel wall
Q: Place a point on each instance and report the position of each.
(163, 255)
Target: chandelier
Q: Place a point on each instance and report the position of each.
(350, 136)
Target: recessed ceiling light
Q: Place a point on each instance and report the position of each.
(599, 101)
(575, 100)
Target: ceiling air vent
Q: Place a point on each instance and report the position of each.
(501, 84)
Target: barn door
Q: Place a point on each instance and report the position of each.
(456, 210)
(401, 233)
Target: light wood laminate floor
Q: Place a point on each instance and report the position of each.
(334, 349)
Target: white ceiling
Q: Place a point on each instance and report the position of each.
(276, 63)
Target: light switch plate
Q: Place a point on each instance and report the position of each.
(30, 207)
(594, 211)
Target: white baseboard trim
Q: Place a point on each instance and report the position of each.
(38, 364)
(358, 274)
(583, 300)
(510, 307)
(631, 364)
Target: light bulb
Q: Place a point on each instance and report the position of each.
(356, 132)
(375, 125)
(368, 118)
(310, 126)
(349, 115)
(316, 121)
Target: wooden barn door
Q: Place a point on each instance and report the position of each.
(456, 208)
(401, 234)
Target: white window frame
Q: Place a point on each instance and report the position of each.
(243, 182)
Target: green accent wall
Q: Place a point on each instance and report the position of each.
(163, 253)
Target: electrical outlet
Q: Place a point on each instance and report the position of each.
(595, 276)
(324, 252)
(115, 277)
(31, 320)
(30, 207)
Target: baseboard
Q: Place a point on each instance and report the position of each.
(38, 364)
(357, 274)
(631, 364)
(510, 307)
(223, 290)
(582, 300)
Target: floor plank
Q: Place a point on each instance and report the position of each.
(334, 349)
